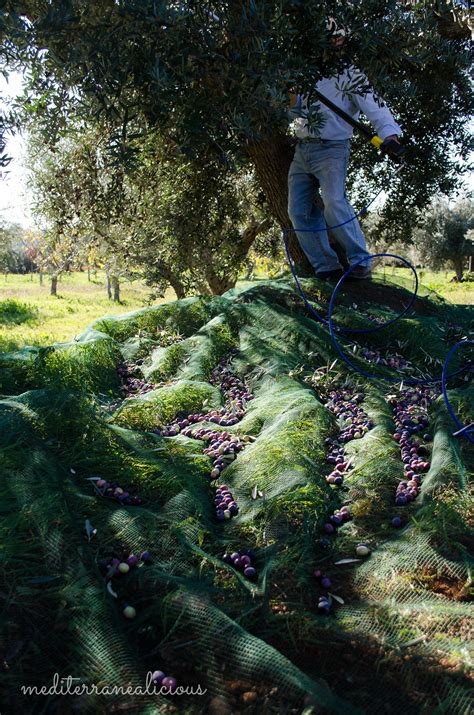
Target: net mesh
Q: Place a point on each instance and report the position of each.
(398, 635)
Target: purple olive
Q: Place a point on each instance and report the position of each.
(157, 677)
(169, 683)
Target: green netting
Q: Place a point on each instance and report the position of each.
(397, 640)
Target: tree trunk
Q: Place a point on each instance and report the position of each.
(109, 287)
(88, 273)
(457, 262)
(249, 268)
(41, 278)
(272, 158)
(248, 237)
(54, 285)
(116, 287)
(173, 280)
(219, 284)
(471, 264)
(178, 288)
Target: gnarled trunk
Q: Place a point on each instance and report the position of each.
(54, 285)
(271, 158)
(219, 284)
(458, 267)
(116, 288)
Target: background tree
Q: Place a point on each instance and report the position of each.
(179, 223)
(444, 235)
(14, 254)
(214, 79)
(194, 224)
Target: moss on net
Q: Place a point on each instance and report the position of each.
(198, 618)
(160, 407)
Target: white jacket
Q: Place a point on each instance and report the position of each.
(334, 127)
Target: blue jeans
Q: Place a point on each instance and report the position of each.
(324, 162)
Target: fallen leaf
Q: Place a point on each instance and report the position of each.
(111, 590)
(90, 531)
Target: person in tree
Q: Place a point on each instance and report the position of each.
(320, 161)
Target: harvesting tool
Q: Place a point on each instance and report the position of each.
(390, 147)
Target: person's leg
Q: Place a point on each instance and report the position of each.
(307, 217)
(329, 164)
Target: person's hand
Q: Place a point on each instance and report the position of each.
(394, 137)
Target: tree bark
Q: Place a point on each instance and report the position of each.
(178, 288)
(249, 235)
(173, 280)
(249, 268)
(219, 283)
(41, 278)
(109, 288)
(271, 158)
(116, 288)
(471, 264)
(458, 267)
(88, 273)
(54, 285)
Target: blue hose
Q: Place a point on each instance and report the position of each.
(462, 431)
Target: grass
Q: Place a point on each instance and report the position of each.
(29, 315)
(13, 312)
(440, 282)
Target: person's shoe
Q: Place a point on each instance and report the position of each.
(330, 275)
(360, 273)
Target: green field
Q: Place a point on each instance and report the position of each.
(37, 318)
(440, 282)
(43, 319)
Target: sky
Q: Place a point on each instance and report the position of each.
(13, 192)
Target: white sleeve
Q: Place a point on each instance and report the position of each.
(377, 113)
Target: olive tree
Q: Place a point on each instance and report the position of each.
(445, 235)
(214, 78)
